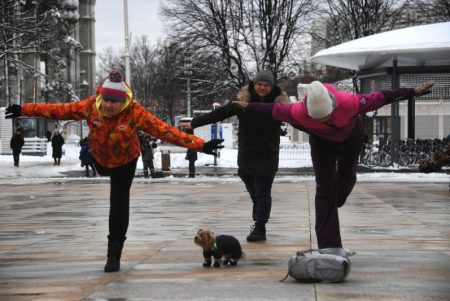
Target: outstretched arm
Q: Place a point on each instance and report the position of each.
(263, 109)
(214, 116)
(60, 111)
(378, 99)
(277, 111)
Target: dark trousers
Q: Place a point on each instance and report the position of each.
(260, 190)
(192, 167)
(148, 164)
(119, 211)
(335, 169)
(87, 169)
(16, 157)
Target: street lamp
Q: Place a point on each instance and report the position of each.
(127, 43)
(188, 72)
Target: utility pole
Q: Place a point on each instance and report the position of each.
(188, 72)
(127, 44)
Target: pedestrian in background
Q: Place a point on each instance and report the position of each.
(258, 145)
(147, 146)
(336, 135)
(191, 156)
(114, 120)
(57, 144)
(16, 145)
(86, 157)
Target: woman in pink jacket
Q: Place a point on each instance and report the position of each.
(336, 134)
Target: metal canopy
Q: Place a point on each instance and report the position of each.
(424, 45)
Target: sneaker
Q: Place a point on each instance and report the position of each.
(257, 233)
(337, 251)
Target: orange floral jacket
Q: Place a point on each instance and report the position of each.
(114, 142)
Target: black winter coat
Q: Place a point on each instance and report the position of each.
(17, 143)
(191, 155)
(259, 137)
(57, 143)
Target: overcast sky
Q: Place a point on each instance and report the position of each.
(143, 19)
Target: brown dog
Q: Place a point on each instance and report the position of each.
(218, 246)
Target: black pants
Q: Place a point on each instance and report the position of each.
(260, 190)
(335, 169)
(87, 169)
(148, 164)
(119, 212)
(192, 167)
(16, 157)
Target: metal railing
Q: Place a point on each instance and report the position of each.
(35, 146)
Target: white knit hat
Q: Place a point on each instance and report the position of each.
(318, 101)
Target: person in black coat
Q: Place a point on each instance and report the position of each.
(258, 145)
(57, 143)
(147, 145)
(191, 156)
(16, 145)
(86, 158)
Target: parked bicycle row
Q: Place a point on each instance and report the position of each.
(409, 152)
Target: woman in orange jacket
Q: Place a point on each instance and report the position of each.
(114, 120)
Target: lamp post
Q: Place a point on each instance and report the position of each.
(127, 43)
(188, 72)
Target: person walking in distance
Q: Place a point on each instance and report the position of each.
(16, 145)
(258, 145)
(57, 144)
(114, 120)
(86, 157)
(191, 156)
(147, 146)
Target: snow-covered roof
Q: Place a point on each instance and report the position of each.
(424, 45)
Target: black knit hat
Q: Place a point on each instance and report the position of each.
(265, 76)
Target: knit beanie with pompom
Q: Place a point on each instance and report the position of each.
(114, 88)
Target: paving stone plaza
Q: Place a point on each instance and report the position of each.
(53, 242)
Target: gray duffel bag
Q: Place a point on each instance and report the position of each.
(319, 266)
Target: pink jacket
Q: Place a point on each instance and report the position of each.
(344, 116)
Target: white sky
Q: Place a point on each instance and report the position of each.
(143, 19)
(36, 169)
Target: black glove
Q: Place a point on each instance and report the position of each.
(13, 111)
(210, 146)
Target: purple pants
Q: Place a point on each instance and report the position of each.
(335, 169)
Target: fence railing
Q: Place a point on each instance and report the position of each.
(35, 146)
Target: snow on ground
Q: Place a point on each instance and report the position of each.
(40, 169)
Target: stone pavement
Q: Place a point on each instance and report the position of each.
(53, 242)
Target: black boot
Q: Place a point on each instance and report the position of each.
(114, 253)
(257, 233)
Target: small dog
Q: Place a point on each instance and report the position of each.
(218, 246)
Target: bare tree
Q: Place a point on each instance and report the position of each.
(109, 60)
(143, 65)
(167, 84)
(340, 21)
(346, 20)
(247, 35)
(434, 10)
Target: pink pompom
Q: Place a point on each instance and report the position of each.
(115, 76)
